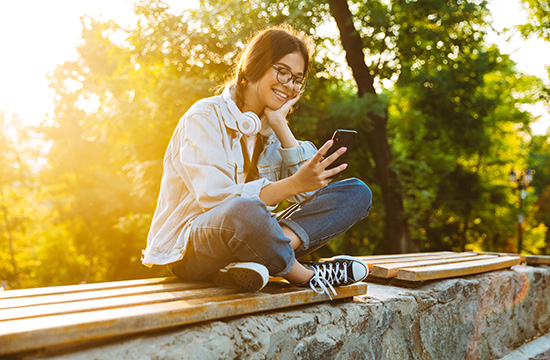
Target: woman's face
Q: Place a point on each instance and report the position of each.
(268, 91)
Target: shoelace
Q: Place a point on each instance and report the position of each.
(326, 275)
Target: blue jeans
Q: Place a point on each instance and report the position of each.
(244, 230)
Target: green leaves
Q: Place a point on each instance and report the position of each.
(455, 127)
(539, 19)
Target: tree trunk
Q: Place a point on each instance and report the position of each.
(374, 132)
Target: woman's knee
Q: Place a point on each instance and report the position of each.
(360, 193)
(258, 236)
(364, 193)
(247, 212)
(251, 221)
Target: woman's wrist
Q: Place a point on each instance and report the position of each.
(293, 185)
(278, 191)
(284, 134)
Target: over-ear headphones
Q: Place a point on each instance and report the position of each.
(248, 122)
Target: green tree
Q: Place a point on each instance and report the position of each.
(539, 159)
(13, 173)
(38, 251)
(539, 19)
(539, 25)
(435, 108)
(436, 48)
(456, 139)
(116, 109)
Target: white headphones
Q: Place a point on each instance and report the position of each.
(248, 122)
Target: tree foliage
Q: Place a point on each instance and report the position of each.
(539, 19)
(449, 106)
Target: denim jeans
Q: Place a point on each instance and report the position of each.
(244, 230)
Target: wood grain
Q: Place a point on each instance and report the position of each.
(95, 317)
(459, 269)
(390, 270)
(52, 290)
(371, 261)
(537, 259)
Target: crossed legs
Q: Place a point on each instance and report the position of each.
(243, 230)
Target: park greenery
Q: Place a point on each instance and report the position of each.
(438, 109)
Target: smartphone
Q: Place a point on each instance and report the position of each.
(341, 138)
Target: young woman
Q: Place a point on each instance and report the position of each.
(231, 160)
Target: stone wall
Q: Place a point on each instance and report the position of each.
(477, 317)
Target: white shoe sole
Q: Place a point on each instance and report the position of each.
(247, 277)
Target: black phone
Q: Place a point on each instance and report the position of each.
(341, 138)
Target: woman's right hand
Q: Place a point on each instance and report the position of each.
(313, 174)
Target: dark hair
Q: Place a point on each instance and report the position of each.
(266, 47)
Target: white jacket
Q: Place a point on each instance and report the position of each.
(202, 165)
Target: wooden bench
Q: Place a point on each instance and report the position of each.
(32, 319)
(537, 260)
(64, 315)
(439, 266)
(408, 269)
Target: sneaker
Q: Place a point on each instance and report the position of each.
(337, 271)
(245, 276)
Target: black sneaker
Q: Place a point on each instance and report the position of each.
(337, 271)
(245, 276)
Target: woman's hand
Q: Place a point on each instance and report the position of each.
(277, 121)
(313, 174)
(277, 117)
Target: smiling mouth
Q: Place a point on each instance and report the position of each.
(280, 94)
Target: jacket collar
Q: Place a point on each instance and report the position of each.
(228, 117)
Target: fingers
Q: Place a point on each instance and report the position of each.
(332, 157)
(331, 172)
(294, 100)
(281, 113)
(318, 157)
(314, 172)
(289, 103)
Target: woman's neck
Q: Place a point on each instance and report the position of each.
(251, 100)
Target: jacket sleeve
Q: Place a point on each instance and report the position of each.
(207, 170)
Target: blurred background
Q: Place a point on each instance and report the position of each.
(451, 100)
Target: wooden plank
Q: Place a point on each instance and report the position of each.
(97, 294)
(53, 290)
(371, 263)
(402, 256)
(537, 259)
(419, 258)
(522, 257)
(34, 333)
(459, 269)
(387, 259)
(110, 303)
(390, 270)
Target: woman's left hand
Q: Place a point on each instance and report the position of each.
(278, 117)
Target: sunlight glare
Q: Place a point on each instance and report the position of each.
(38, 35)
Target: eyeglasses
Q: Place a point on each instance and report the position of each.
(284, 76)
